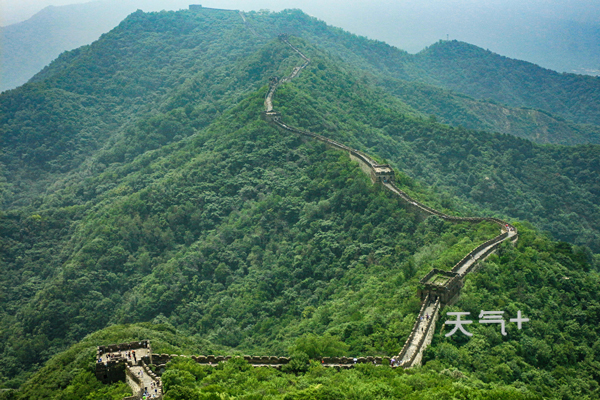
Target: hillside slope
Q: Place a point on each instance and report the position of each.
(459, 110)
(514, 374)
(484, 75)
(491, 171)
(438, 68)
(82, 114)
(29, 46)
(234, 234)
(72, 108)
(464, 69)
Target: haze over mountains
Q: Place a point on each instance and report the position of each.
(29, 46)
(548, 34)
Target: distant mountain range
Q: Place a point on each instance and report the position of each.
(562, 45)
(29, 46)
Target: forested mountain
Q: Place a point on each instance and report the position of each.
(107, 94)
(560, 108)
(30, 45)
(142, 186)
(485, 75)
(460, 110)
(459, 67)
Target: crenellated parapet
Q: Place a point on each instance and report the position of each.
(160, 360)
(271, 361)
(142, 344)
(112, 360)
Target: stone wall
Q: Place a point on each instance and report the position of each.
(142, 344)
(162, 359)
(114, 370)
(427, 339)
(366, 168)
(413, 332)
(111, 372)
(273, 361)
(497, 240)
(134, 383)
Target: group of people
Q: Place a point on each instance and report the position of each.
(427, 318)
(396, 362)
(154, 387)
(153, 393)
(125, 354)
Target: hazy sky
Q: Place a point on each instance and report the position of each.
(408, 24)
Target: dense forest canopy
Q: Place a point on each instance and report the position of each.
(144, 197)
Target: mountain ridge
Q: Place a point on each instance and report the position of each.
(531, 81)
(521, 121)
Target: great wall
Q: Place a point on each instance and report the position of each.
(438, 288)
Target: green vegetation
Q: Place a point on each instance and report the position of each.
(559, 108)
(145, 197)
(235, 379)
(484, 75)
(69, 375)
(95, 105)
(462, 111)
(555, 187)
(557, 353)
(249, 232)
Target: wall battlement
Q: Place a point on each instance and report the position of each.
(111, 362)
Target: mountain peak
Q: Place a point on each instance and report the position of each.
(455, 49)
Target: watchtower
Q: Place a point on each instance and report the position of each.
(383, 173)
(443, 285)
(271, 115)
(112, 369)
